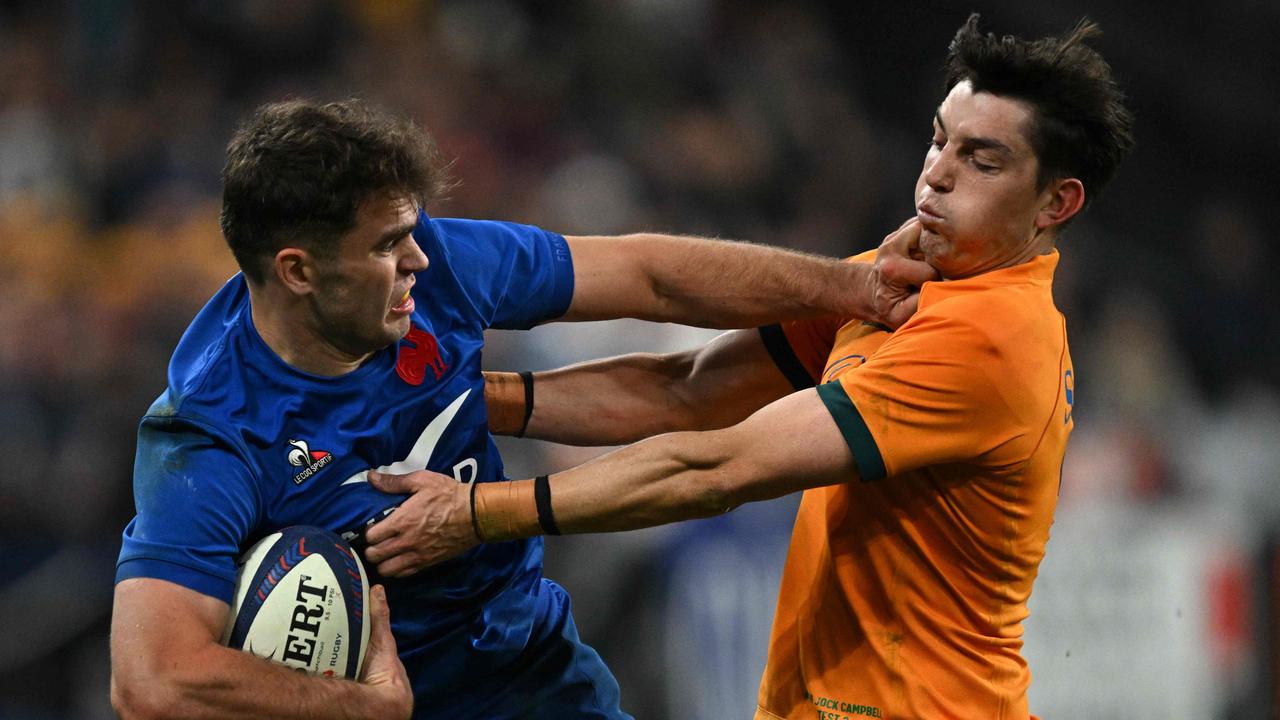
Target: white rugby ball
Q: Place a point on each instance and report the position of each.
(301, 599)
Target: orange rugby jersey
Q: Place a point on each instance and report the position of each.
(904, 592)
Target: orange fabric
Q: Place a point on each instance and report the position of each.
(904, 597)
(812, 340)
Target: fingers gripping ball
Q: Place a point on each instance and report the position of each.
(302, 600)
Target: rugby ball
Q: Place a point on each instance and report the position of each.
(301, 600)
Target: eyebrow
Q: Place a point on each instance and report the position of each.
(977, 143)
(397, 233)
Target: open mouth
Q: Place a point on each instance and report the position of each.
(405, 306)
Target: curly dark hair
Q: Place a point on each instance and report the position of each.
(1082, 128)
(297, 172)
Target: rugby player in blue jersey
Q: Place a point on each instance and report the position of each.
(351, 342)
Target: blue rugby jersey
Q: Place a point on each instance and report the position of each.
(242, 444)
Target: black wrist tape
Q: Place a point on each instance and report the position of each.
(527, 378)
(475, 521)
(542, 498)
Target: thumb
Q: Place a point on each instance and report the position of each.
(903, 310)
(905, 271)
(382, 644)
(381, 615)
(392, 484)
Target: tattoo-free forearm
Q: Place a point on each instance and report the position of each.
(604, 402)
(221, 683)
(711, 283)
(754, 284)
(166, 662)
(790, 445)
(628, 398)
(672, 477)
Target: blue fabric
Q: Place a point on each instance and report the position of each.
(241, 445)
(547, 673)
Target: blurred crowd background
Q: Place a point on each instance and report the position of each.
(797, 124)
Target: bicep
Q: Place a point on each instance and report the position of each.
(730, 377)
(156, 622)
(789, 445)
(610, 280)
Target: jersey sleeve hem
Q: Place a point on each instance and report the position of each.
(866, 454)
(784, 356)
(562, 291)
(188, 577)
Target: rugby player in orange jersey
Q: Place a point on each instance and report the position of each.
(929, 457)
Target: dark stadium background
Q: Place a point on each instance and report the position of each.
(786, 123)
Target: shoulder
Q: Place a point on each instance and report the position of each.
(446, 230)
(464, 248)
(220, 384)
(1007, 315)
(1012, 336)
(205, 343)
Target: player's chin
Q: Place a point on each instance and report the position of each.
(939, 256)
(397, 328)
(390, 331)
(931, 246)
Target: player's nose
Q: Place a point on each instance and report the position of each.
(414, 260)
(938, 172)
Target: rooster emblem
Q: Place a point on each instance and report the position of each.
(303, 456)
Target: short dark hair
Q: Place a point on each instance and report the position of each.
(1081, 127)
(297, 172)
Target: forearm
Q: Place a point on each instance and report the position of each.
(624, 399)
(789, 445)
(712, 283)
(679, 476)
(742, 285)
(604, 402)
(166, 662)
(219, 682)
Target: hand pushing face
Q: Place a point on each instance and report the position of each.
(976, 197)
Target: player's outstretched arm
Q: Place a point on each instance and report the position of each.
(715, 283)
(166, 662)
(627, 398)
(789, 445)
(624, 399)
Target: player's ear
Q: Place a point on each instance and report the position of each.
(295, 269)
(1063, 199)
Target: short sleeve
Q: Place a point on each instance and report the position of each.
(196, 507)
(515, 276)
(800, 348)
(929, 396)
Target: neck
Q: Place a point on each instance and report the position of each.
(287, 325)
(1042, 243)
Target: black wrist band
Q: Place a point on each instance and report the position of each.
(527, 378)
(475, 521)
(542, 498)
